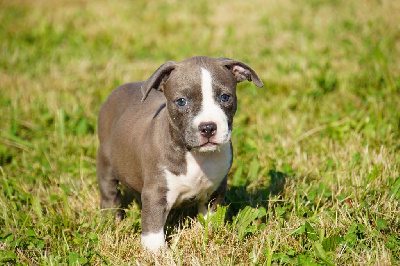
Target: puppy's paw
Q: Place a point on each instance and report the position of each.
(153, 242)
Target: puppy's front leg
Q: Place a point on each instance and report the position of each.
(216, 198)
(154, 215)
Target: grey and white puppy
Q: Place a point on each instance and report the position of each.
(168, 138)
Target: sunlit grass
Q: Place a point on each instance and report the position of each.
(316, 166)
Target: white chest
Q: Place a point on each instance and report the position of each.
(205, 171)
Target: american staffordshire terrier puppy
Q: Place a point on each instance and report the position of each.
(169, 138)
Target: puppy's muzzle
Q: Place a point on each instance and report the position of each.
(208, 129)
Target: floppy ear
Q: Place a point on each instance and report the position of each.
(241, 71)
(160, 76)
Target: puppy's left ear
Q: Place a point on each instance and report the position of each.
(241, 71)
(158, 78)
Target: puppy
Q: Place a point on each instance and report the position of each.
(169, 138)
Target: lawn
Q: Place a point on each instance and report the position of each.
(316, 170)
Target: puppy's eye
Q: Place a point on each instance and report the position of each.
(181, 102)
(225, 98)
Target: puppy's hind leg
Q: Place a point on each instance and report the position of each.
(110, 196)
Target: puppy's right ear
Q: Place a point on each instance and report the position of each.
(160, 76)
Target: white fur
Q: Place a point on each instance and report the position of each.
(153, 241)
(204, 174)
(211, 112)
(203, 209)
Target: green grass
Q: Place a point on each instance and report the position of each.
(316, 171)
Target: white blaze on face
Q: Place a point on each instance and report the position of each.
(211, 111)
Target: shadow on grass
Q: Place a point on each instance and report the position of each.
(237, 197)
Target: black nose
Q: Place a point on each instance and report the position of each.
(208, 129)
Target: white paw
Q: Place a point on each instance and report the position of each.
(205, 211)
(153, 241)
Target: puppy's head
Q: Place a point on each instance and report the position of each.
(201, 99)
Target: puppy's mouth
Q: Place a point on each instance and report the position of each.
(209, 144)
(204, 144)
